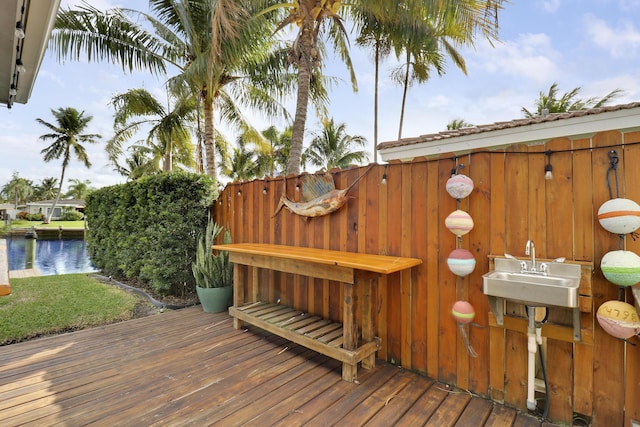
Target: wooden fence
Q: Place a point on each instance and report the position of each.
(404, 215)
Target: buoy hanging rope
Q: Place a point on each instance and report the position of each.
(613, 167)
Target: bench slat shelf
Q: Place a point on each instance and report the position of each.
(347, 342)
(316, 336)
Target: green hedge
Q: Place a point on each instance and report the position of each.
(148, 229)
(72, 216)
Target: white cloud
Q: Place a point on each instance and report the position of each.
(530, 56)
(630, 5)
(51, 77)
(550, 5)
(620, 41)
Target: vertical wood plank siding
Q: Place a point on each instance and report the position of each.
(510, 204)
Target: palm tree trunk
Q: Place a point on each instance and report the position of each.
(167, 163)
(404, 95)
(209, 140)
(55, 202)
(199, 159)
(305, 61)
(375, 104)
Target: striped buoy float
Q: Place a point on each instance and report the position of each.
(463, 312)
(459, 222)
(621, 268)
(461, 262)
(459, 186)
(619, 216)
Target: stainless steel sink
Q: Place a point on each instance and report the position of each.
(553, 285)
(532, 289)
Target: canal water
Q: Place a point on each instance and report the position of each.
(50, 257)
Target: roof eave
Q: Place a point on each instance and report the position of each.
(575, 127)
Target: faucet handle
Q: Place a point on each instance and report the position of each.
(523, 265)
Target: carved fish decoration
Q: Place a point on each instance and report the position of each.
(329, 201)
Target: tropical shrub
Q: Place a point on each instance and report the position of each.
(147, 229)
(34, 217)
(72, 216)
(209, 270)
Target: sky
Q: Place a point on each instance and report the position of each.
(590, 44)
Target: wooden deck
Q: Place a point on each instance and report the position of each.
(187, 367)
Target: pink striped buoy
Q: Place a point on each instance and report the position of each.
(461, 262)
(459, 186)
(459, 222)
(463, 312)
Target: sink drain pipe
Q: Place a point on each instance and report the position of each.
(534, 343)
(532, 346)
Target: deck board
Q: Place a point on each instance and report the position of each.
(187, 367)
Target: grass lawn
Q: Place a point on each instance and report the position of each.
(20, 223)
(49, 305)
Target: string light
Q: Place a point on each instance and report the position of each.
(384, 176)
(548, 169)
(19, 30)
(20, 66)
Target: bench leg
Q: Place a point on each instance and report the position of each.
(368, 329)
(349, 372)
(239, 277)
(350, 329)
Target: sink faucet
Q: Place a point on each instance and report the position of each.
(530, 249)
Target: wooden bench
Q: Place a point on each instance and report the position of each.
(356, 272)
(5, 287)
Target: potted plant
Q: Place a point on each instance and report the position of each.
(213, 273)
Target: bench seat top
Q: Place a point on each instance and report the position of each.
(382, 264)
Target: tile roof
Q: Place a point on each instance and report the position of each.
(502, 125)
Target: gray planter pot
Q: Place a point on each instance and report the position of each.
(215, 300)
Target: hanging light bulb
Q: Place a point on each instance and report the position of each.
(384, 176)
(20, 66)
(19, 30)
(14, 90)
(548, 169)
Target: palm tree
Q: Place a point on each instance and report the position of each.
(332, 147)
(549, 102)
(375, 33)
(314, 19)
(79, 189)
(419, 30)
(455, 124)
(276, 157)
(47, 188)
(139, 163)
(423, 52)
(243, 163)
(438, 28)
(170, 130)
(67, 138)
(213, 44)
(18, 189)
